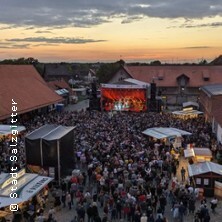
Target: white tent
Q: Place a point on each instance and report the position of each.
(187, 112)
(7, 129)
(7, 201)
(191, 103)
(28, 185)
(164, 132)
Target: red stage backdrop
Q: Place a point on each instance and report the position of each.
(123, 99)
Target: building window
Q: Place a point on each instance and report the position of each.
(198, 181)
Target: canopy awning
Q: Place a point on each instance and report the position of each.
(161, 132)
(7, 129)
(190, 103)
(28, 185)
(204, 167)
(202, 152)
(187, 112)
(49, 132)
(197, 152)
(6, 201)
(189, 153)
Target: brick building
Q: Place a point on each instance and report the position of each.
(211, 104)
(175, 83)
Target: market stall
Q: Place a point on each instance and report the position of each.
(205, 175)
(198, 154)
(168, 134)
(28, 184)
(187, 113)
(189, 110)
(6, 130)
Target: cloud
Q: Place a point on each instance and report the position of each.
(57, 40)
(88, 13)
(30, 28)
(43, 31)
(8, 45)
(5, 27)
(131, 19)
(197, 47)
(212, 25)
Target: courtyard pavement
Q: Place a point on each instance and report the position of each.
(66, 215)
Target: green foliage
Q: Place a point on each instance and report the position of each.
(219, 157)
(40, 67)
(155, 63)
(203, 62)
(20, 61)
(107, 70)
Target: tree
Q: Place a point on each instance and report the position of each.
(203, 62)
(155, 63)
(107, 70)
(219, 156)
(20, 61)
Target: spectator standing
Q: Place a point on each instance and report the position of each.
(183, 172)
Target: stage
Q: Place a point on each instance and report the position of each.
(117, 97)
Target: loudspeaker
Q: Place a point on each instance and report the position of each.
(153, 91)
(154, 105)
(94, 104)
(94, 90)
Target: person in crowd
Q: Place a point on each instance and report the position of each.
(122, 171)
(183, 172)
(214, 203)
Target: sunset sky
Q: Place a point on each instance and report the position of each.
(109, 30)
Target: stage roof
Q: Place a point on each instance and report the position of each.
(49, 132)
(137, 82)
(161, 132)
(204, 167)
(123, 86)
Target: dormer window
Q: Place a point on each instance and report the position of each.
(182, 80)
(160, 77)
(206, 76)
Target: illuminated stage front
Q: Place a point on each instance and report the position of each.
(123, 98)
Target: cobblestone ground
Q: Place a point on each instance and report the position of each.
(66, 215)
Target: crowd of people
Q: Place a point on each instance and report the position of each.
(125, 175)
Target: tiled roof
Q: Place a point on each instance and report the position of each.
(59, 84)
(56, 69)
(213, 90)
(170, 73)
(26, 87)
(217, 61)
